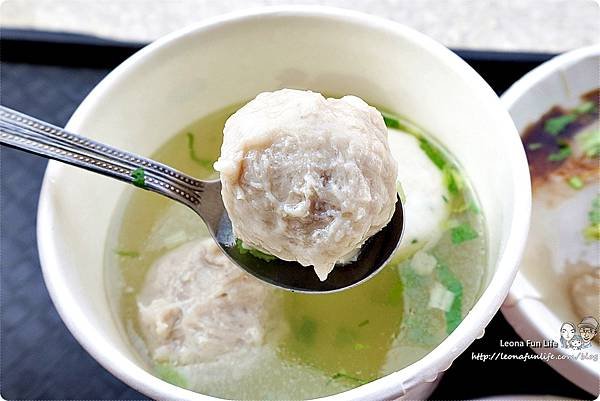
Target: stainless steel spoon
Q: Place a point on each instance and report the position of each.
(24, 132)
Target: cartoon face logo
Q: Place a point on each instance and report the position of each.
(588, 328)
(576, 342)
(567, 331)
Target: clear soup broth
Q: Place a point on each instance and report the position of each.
(316, 345)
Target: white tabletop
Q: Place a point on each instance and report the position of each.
(528, 25)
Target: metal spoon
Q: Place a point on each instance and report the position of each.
(23, 132)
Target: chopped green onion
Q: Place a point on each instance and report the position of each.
(452, 284)
(534, 146)
(592, 232)
(455, 185)
(343, 375)
(127, 254)
(414, 241)
(556, 125)
(564, 152)
(585, 107)
(169, 374)
(575, 182)
(359, 346)
(207, 164)
(461, 233)
(363, 323)
(453, 180)
(139, 177)
(459, 204)
(244, 249)
(390, 121)
(590, 142)
(433, 153)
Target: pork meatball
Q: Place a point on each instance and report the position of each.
(306, 178)
(196, 306)
(584, 290)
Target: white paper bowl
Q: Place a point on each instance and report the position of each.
(231, 58)
(560, 81)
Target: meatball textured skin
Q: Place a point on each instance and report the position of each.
(196, 306)
(305, 178)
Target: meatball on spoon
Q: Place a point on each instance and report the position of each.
(26, 133)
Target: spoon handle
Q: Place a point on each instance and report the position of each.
(26, 133)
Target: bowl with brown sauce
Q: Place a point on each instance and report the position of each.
(555, 299)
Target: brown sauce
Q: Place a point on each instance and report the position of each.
(540, 144)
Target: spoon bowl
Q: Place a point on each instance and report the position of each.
(373, 256)
(29, 134)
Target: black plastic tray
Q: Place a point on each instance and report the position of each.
(47, 75)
